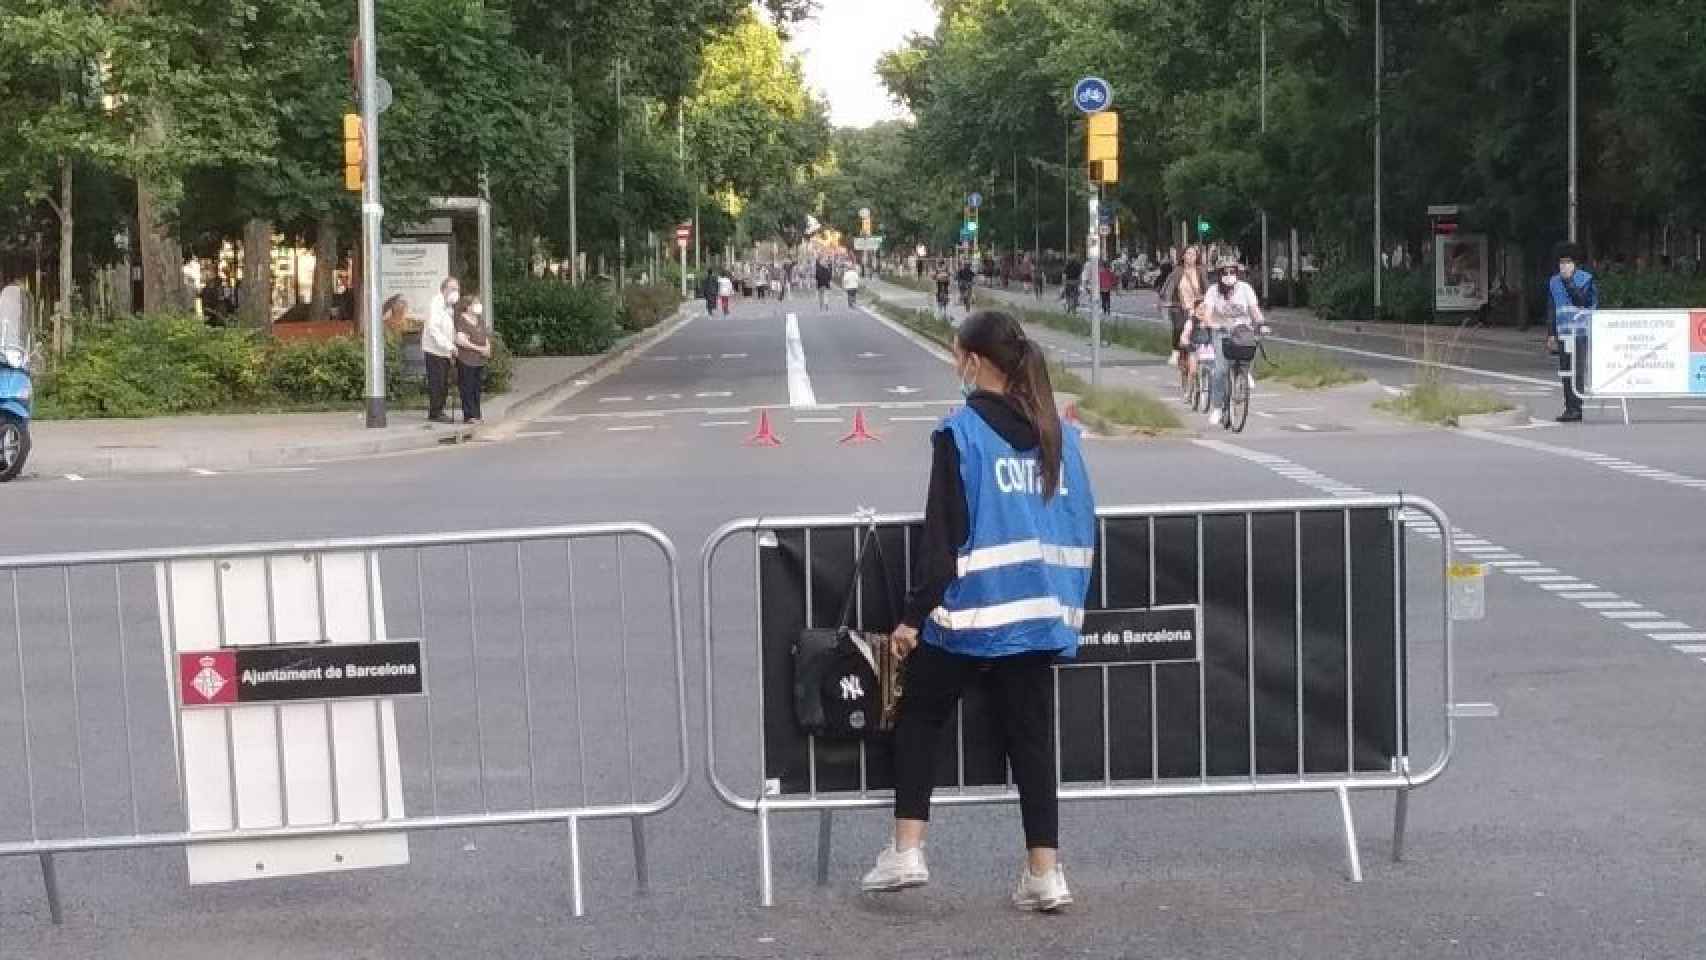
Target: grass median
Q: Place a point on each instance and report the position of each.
(1443, 403)
(1307, 369)
(1106, 408)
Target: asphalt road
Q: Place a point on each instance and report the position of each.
(1566, 827)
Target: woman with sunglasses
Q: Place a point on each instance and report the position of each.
(1231, 303)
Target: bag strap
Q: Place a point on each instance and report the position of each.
(871, 543)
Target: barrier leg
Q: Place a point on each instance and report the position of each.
(1352, 859)
(766, 897)
(575, 867)
(642, 875)
(1625, 411)
(1400, 821)
(825, 833)
(50, 882)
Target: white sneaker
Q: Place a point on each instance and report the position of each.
(1044, 894)
(1214, 417)
(1250, 378)
(897, 870)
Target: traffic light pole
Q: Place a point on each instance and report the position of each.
(1093, 281)
(372, 219)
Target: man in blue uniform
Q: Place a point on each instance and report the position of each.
(1573, 298)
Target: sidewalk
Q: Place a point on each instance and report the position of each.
(87, 448)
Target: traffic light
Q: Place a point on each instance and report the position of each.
(1102, 150)
(353, 160)
(1203, 226)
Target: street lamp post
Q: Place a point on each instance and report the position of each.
(1379, 55)
(1264, 257)
(1575, 192)
(372, 217)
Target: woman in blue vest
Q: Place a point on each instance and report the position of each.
(1003, 569)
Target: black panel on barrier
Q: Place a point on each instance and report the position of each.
(1273, 591)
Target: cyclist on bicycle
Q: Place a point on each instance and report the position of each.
(1231, 303)
(942, 278)
(967, 278)
(1070, 278)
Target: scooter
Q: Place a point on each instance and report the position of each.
(16, 391)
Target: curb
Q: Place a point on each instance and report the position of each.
(1516, 417)
(625, 352)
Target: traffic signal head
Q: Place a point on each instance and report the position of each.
(1102, 152)
(1203, 226)
(353, 160)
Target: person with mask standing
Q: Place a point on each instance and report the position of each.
(1231, 303)
(473, 352)
(1573, 297)
(1004, 565)
(438, 344)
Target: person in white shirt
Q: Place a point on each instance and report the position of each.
(438, 343)
(725, 291)
(14, 325)
(850, 283)
(1231, 303)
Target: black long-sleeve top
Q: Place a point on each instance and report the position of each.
(947, 516)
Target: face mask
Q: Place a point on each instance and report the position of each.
(968, 383)
(452, 297)
(1229, 279)
(1566, 270)
(475, 310)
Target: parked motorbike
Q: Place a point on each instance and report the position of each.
(15, 394)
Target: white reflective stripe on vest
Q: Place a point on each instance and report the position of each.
(1003, 614)
(988, 558)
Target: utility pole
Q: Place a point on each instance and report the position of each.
(574, 228)
(1575, 185)
(1379, 56)
(372, 217)
(621, 188)
(1264, 258)
(1066, 189)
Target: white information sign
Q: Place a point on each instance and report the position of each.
(414, 270)
(1635, 353)
(1460, 272)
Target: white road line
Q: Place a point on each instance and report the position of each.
(615, 399)
(1554, 583)
(1612, 605)
(915, 419)
(724, 423)
(1474, 371)
(74, 477)
(1618, 464)
(537, 434)
(713, 395)
(817, 419)
(799, 382)
(629, 429)
(1306, 428)
(204, 472)
(734, 356)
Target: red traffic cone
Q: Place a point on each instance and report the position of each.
(764, 436)
(861, 433)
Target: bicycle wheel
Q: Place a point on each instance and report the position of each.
(1240, 399)
(1199, 392)
(1186, 391)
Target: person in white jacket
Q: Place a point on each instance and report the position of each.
(438, 343)
(850, 283)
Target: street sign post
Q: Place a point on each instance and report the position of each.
(683, 233)
(974, 201)
(1092, 95)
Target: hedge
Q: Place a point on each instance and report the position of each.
(543, 317)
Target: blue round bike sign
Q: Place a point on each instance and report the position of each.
(1092, 95)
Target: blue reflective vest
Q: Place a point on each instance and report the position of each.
(1568, 319)
(1024, 569)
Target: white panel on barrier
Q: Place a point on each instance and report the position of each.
(287, 764)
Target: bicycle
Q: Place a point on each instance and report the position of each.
(1070, 295)
(1241, 357)
(1194, 379)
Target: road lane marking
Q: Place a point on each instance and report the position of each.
(732, 356)
(915, 419)
(799, 382)
(537, 434)
(725, 423)
(204, 472)
(1559, 585)
(817, 419)
(647, 426)
(1612, 605)
(1627, 467)
(714, 395)
(74, 477)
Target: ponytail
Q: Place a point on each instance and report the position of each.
(999, 338)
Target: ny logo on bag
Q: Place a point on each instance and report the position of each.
(852, 688)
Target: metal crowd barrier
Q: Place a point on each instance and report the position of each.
(532, 654)
(1302, 596)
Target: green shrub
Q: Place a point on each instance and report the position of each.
(646, 307)
(543, 317)
(154, 365)
(1306, 368)
(1347, 295)
(317, 371)
(1435, 401)
(1636, 290)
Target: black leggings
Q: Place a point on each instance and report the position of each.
(1022, 688)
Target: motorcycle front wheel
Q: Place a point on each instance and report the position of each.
(14, 447)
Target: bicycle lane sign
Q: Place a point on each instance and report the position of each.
(1092, 95)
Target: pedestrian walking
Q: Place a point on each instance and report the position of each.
(761, 281)
(788, 269)
(1182, 296)
(824, 277)
(1006, 476)
(710, 288)
(1106, 280)
(473, 352)
(850, 284)
(1573, 296)
(725, 290)
(438, 344)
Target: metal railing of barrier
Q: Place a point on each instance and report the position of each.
(515, 629)
(1404, 512)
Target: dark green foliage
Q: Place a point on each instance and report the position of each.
(542, 317)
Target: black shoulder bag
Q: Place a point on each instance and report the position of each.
(837, 691)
